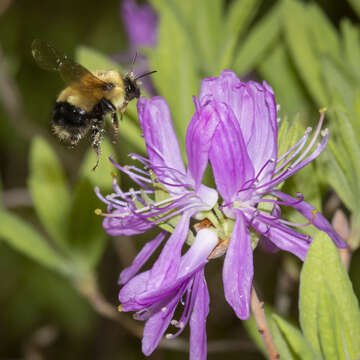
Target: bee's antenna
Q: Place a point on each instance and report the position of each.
(133, 61)
(145, 74)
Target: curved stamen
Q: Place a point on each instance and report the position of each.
(148, 208)
(180, 323)
(278, 202)
(291, 170)
(297, 147)
(261, 214)
(126, 169)
(312, 142)
(249, 187)
(284, 228)
(136, 169)
(137, 192)
(115, 185)
(100, 196)
(114, 201)
(138, 179)
(189, 305)
(263, 167)
(135, 196)
(289, 223)
(249, 183)
(175, 213)
(177, 185)
(145, 161)
(165, 171)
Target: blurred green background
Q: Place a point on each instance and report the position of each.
(44, 314)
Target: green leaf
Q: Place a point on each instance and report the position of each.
(25, 239)
(238, 18)
(86, 235)
(101, 177)
(355, 5)
(208, 30)
(332, 347)
(282, 76)
(49, 190)
(351, 44)
(343, 154)
(177, 79)
(257, 43)
(295, 340)
(302, 48)
(336, 176)
(339, 83)
(350, 139)
(325, 35)
(329, 311)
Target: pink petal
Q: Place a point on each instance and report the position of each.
(238, 269)
(161, 142)
(231, 165)
(141, 258)
(198, 346)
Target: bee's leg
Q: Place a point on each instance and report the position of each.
(74, 139)
(115, 122)
(105, 106)
(97, 133)
(123, 108)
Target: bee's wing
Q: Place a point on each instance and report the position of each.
(75, 75)
(46, 56)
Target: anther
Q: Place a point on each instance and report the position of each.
(325, 132)
(98, 211)
(313, 212)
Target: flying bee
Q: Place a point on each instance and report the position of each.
(81, 107)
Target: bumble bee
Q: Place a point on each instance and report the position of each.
(81, 107)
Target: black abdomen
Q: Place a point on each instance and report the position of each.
(69, 117)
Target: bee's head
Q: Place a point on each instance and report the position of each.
(131, 85)
(132, 89)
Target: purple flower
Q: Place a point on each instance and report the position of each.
(235, 125)
(168, 192)
(140, 23)
(156, 304)
(235, 129)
